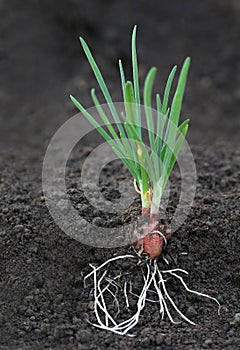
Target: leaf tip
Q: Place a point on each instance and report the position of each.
(82, 41)
(154, 69)
(187, 61)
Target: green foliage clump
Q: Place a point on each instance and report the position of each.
(150, 168)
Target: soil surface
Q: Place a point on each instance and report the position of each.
(43, 302)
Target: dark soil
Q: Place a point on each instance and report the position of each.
(43, 303)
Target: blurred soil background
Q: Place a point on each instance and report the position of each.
(41, 63)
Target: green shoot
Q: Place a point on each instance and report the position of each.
(152, 167)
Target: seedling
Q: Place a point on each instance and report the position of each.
(150, 170)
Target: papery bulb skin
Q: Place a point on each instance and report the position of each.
(151, 243)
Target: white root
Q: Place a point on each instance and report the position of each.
(153, 282)
(197, 293)
(125, 294)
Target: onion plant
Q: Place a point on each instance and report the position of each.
(150, 165)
